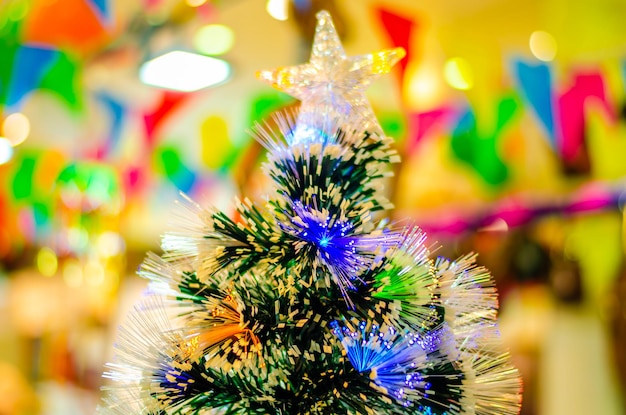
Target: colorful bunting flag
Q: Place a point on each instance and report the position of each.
(421, 124)
(67, 25)
(63, 79)
(9, 45)
(102, 9)
(572, 103)
(482, 152)
(30, 65)
(535, 83)
(175, 170)
(117, 112)
(169, 102)
(606, 144)
(400, 30)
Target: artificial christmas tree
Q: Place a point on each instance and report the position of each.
(309, 304)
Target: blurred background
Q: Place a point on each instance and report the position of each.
(510, 117)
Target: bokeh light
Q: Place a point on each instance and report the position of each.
(195, 3)
(277, 9)
(73, 273)
(110, 244)
(78, 238)
(458, 74)
(47, 262)
(214, 39)
(543, 45)
(6, 150)
(423, 86)
(16, 128)
(94, 273)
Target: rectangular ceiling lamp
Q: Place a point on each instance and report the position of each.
(184, 71)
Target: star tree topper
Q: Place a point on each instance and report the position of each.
(331, 83)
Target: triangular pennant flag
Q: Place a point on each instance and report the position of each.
(169, 101)
(102, 10)
(67, 25)
(482, 152)
(607, 144)
(463, 134)
(63, 80)
(572, 119)
(420, 125)
(400, 29)
(9, 45)
(535, 82)
(133, 179)
(117, 112)
(29, 67)
(175, 169)
(507, 109)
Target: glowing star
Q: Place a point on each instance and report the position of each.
(332, 84)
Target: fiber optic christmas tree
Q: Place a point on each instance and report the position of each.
(308, 304)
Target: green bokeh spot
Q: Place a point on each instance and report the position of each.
(263, 105)
(393, 125)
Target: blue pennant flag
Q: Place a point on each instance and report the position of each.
(118, 113)
(102, 10)
(535, 81)
(29, 67)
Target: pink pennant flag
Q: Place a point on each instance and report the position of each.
(571, 105)
(421, 124)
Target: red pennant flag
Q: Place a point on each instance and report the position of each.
(169, 102)
(400, 30)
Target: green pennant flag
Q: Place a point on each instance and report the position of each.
(9, 44)
(63, 79)
(482, 153)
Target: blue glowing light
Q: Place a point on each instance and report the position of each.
(394, 361)
(303, 133)
(331, 238)
(333, 241)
